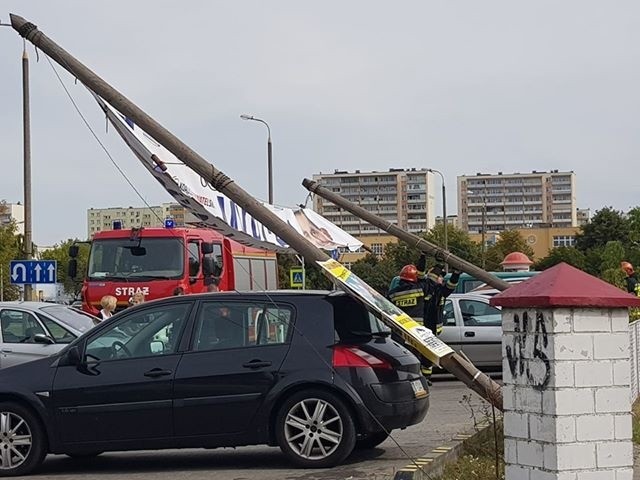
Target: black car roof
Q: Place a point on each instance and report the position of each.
(248, 294)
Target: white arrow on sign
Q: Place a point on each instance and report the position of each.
(14, 272)
(52, 272)
(37, 268)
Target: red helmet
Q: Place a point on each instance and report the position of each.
(627, 267)
(409, 273)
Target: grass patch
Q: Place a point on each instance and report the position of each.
(635, 418)
(478, 460)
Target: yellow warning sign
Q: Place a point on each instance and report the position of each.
(415, 334)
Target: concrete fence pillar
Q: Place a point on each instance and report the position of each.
(567, 409)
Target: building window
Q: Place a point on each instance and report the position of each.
(563, 241)
(377, 248)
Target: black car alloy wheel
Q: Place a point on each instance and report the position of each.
(22, 442)
(314, 428)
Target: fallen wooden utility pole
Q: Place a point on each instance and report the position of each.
(413, 240)
(454, 363)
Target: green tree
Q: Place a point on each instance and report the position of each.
(606, 225)
(610, 270)
(397, 255)
(510, 241)
(315, 278)
(285, 263)
(60, 253)
(569, 255)
(8, 251)
(376, 272)
(458, 242)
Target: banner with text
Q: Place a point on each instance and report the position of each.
(212, 208)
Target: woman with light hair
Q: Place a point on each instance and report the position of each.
(108, 304)
(136, 299)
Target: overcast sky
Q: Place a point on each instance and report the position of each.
(462, 87)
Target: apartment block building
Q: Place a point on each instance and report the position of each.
(99, 219)
(404, 197)
(516, 200)
(12, 212)
(584, 216)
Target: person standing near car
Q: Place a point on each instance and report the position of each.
(633, 285)
(439, 290)
(409, 294)
(108, 304)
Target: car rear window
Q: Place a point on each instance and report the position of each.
(352, 320)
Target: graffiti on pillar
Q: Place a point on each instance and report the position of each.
(526, 355)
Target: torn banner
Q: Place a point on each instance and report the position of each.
(212, 208)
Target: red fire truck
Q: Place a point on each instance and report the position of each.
(157, 261)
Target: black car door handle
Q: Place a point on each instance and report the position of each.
(469, 334)
(256, 364)
(157, 372)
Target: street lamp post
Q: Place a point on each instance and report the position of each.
(444, 213)
(269, 158)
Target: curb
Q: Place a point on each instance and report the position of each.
(432, 464)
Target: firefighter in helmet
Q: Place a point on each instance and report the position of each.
(422, 297)
(633, 285)
(409, 293)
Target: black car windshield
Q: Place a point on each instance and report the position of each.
(79, 321)
(146, 258)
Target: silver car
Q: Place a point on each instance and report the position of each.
(31, 330)
(474, 327)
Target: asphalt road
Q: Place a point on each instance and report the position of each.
(450, 414)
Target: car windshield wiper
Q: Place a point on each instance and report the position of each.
(108, 277)
(129, 276)
(150, 277)
(362, 333)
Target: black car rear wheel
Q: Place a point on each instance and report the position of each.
(314, 429)
(372, 440)
(22, 440)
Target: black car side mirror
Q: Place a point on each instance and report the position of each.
(210, 267)
(43, 339)
(71, 357)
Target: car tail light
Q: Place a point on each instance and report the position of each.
(347, 356)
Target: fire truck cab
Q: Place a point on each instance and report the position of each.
(159, 262)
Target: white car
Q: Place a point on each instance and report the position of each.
(31, 330)
(474, 327)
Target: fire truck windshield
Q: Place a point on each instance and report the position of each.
(144, 259)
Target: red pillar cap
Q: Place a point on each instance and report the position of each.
(564, 286)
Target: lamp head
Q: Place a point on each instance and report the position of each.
(246, 117)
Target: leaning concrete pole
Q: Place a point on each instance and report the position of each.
(454, 363)
(413, 240)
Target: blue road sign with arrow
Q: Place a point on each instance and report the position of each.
(33, 271)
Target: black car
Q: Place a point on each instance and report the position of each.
(312, 372)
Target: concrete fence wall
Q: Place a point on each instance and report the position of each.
(566, 394)
(634, 358)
